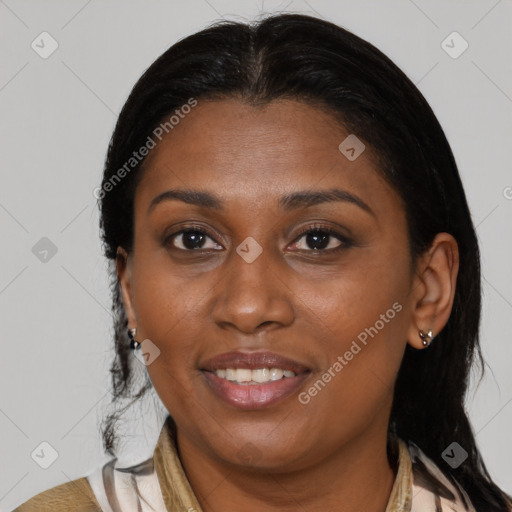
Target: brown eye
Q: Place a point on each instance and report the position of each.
(191, 239)
(322, 239)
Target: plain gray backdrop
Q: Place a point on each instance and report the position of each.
(58, 112)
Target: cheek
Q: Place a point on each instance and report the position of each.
(363, 314)
(169, 310)
(353, 298)
(168, 314)
(355, 387)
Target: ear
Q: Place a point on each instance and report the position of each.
(124, 275)
(433, 288)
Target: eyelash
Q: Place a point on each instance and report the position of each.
(345, 242)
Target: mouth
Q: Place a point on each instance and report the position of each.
(253, 380)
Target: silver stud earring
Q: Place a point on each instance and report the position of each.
(427, 338)
(134, 344)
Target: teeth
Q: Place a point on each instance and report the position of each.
(258, 376)
(276, 374)
(243, 375)
(230, 374)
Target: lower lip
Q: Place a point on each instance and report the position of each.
(253, 396)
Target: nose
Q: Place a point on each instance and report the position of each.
(253, 296)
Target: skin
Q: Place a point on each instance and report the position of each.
(293, 300)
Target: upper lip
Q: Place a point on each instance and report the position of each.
(252, 361)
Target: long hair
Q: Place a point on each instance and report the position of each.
(314, 61)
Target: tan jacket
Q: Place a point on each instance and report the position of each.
(419, 486)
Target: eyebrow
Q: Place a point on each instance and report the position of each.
(288, 202)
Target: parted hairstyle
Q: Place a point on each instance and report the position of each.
(290, 56)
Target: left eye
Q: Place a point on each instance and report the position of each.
(321, 239)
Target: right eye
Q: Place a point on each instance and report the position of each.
(191, 239)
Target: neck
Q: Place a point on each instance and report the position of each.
(356, 477)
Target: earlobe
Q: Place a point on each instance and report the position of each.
(433, 290)
(426, 337)
(124, 276)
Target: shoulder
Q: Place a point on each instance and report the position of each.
(76, 495)
(435, 489)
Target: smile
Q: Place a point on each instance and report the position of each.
(253, 380)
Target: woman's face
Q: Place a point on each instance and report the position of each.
(248, 288)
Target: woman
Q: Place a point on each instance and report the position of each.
(296, 266)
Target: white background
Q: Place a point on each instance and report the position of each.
(57, 118)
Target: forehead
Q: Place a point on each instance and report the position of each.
(245, 152)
